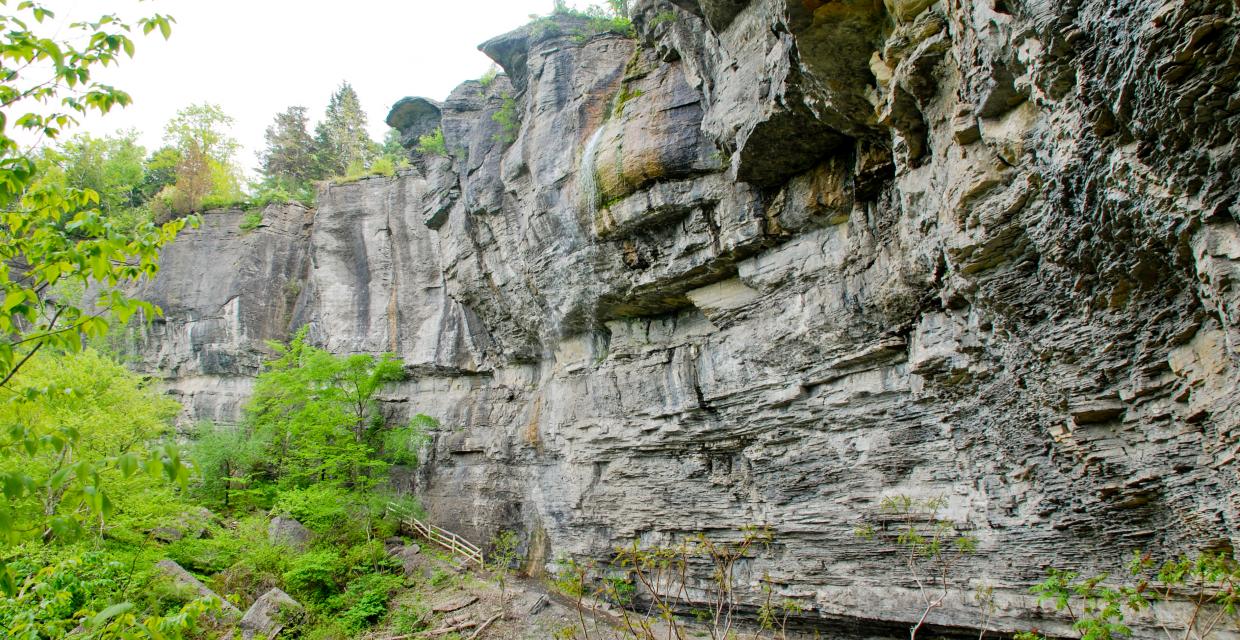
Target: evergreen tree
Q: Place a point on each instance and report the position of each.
(341, 139)
(289, 156)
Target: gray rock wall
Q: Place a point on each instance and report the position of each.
(777, 260)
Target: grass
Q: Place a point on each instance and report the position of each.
(384, 166)
(489, 77)
(252, 221)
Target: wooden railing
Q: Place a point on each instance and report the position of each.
(440, 536)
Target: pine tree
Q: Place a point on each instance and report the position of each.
(341, 139)
(289, 156)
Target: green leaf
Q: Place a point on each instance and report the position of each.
(58, 479)
(127, 463)
(65, 528)
(8, 580)
(107, 614)
(14, 484)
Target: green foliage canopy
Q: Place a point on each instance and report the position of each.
(318, 413)
(206, 175)
(78, 426)
(51, 233)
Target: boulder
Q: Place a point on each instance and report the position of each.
(190, 524)
(409, 556)
(269, 615)
(180, 576)
(288, 531)
(167, 534)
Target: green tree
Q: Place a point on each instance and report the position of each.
(112, 166)
(160, 171)
(204, 126)
(51, 233)
(392, 148)
(288, 160)
(341, 139)
(318, 413)
(77, 424)
(226, 459)
(206, 174)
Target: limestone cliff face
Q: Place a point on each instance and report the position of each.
(778, 259)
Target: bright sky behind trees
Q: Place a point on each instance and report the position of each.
(255, 58)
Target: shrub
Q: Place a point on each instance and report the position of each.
(82, 589)
(282, 192)
(432, 143)
(369, 558)
(328, 630)
(259, 567)
(314, 577)
(487, 78)
(927, 545)
(504, 553)
(252, 221)
(205, 555)
(611, 18)
(356, 170)
(384, 166)
(440, 578)
(401, 446)
(570, 578)
(663, 17)
(323, 508)
(659, 574)
(228, 459)
(410, 618)
(508, 120)
(365, 600)
(164, 595)
(1207, 584)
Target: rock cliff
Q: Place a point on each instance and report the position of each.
(777, 259)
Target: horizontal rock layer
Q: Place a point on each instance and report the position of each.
(777, 260)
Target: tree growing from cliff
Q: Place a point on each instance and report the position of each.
(341, 140)
(205, 173)
(288, 159)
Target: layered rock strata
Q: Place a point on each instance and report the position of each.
(776, 260)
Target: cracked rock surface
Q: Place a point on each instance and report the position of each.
(775, 260)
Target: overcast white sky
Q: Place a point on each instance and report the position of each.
(255, 58)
